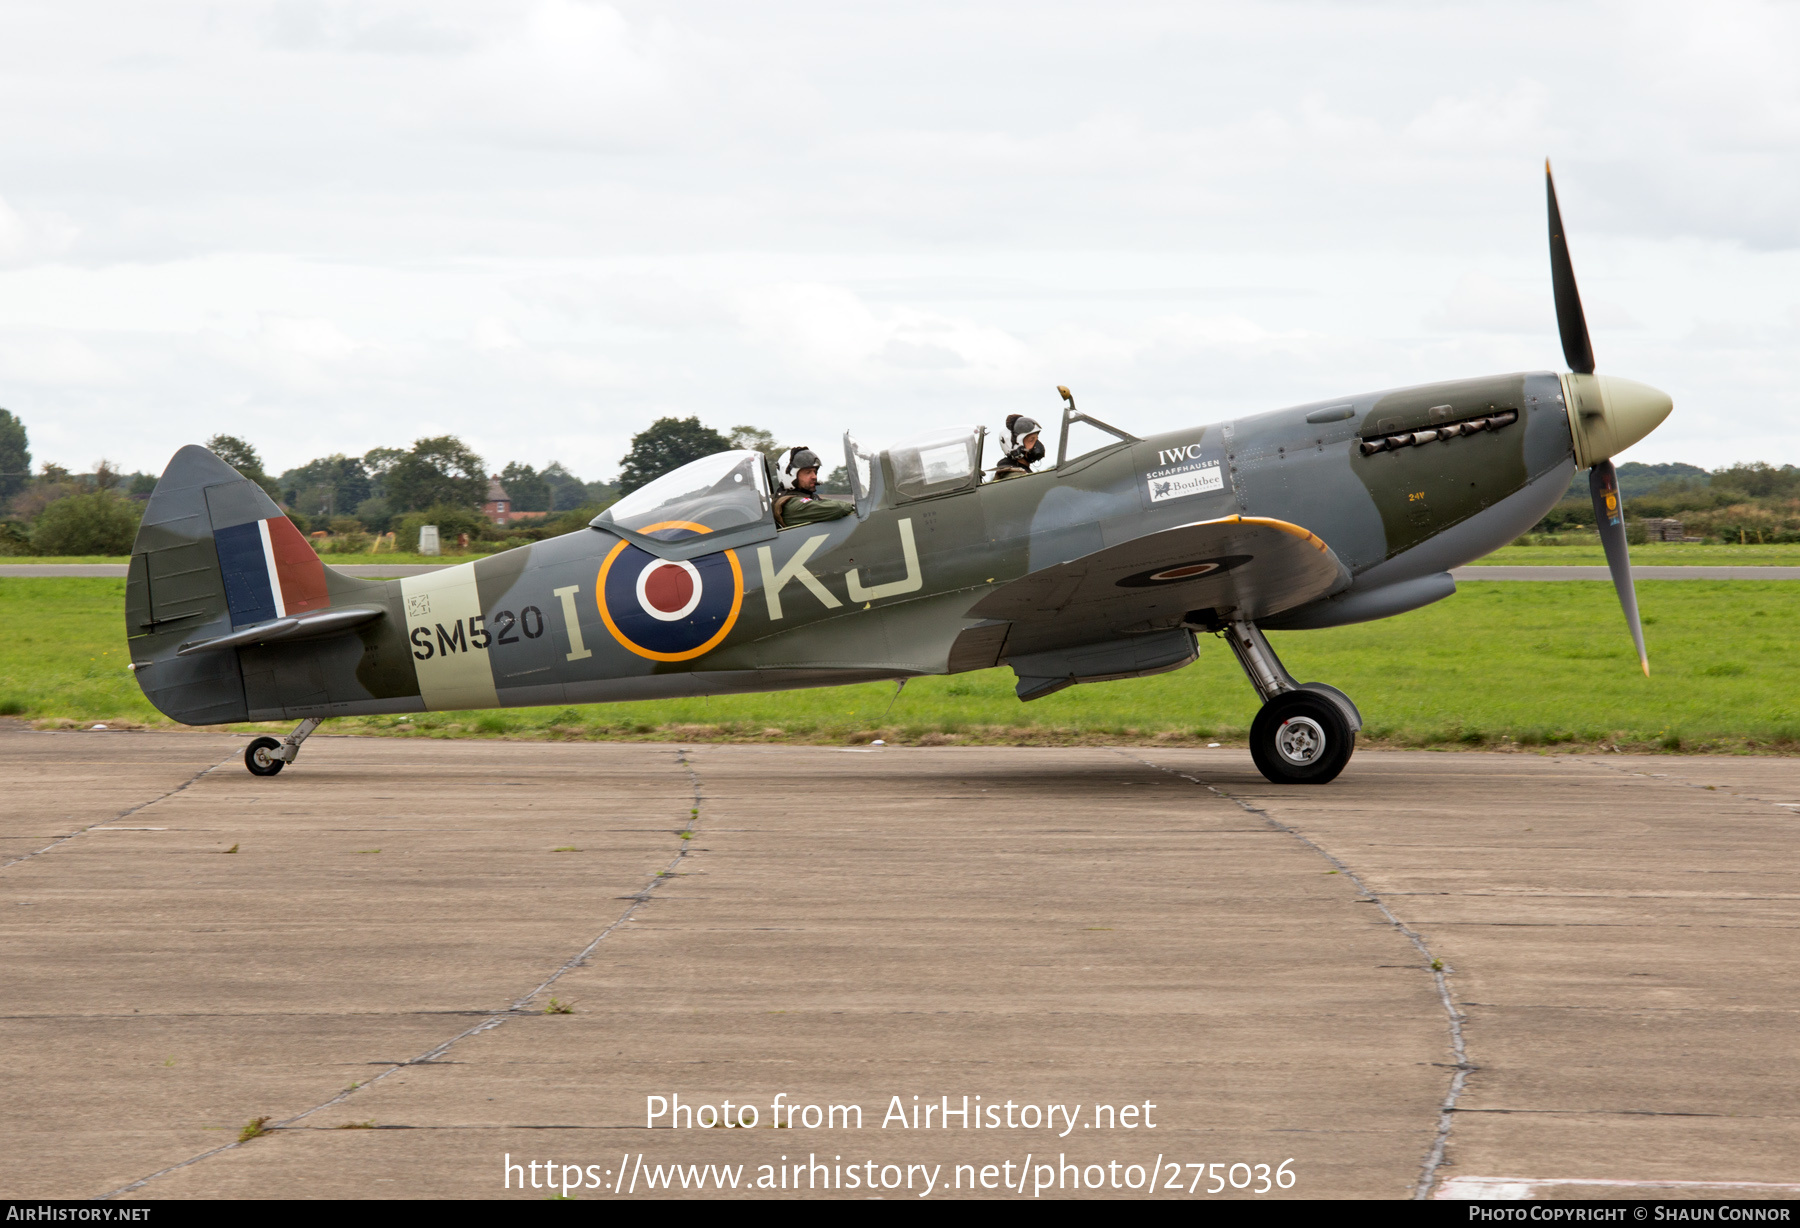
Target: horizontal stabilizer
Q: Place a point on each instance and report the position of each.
(325, 622)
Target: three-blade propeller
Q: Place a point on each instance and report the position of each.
(1603, 480)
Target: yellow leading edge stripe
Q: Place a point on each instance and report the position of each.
(1308, 535)
(1293, 530)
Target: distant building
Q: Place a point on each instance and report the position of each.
(1663, 530)
(498, 507)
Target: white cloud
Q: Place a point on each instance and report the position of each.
(492, 333)
(541, 226)
(30, 240)
(32, 357)
(1485, 118)
(828, 333)
(1485, 304)
(390, 29)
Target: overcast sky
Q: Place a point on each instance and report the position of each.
(329, 226)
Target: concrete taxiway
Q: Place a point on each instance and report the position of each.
(1510, 975)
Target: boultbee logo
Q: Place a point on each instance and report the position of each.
(667, 609)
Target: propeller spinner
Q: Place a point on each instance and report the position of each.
(1606, 415)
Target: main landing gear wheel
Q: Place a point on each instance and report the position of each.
(1299, 738)
(263, 757)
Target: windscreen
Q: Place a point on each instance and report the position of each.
(709, 495)
(860, 462)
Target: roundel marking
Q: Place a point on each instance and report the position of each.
(1182, 572)
(665, 609)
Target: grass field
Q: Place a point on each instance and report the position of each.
(1497, 665)
(1587, 553)
(1583, 551)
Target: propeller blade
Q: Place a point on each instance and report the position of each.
(1578, 351)
(1609, 514)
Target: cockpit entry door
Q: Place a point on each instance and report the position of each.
(712, 504)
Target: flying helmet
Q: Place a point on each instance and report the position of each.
(1018, 427)
(793, 461)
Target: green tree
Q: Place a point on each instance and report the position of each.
(1637, 479)
(567, 492)
(15, 539)
(1759, 479)
(15, 456)
(755, 439)
(52, 483)
(376, 463)
(99, 522)
(242, 457)
(668, 443)
(375, 514)
(526, 488)
(573, 520)
(329, 486)
(439, 470)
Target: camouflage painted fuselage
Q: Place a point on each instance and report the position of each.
(888, 593)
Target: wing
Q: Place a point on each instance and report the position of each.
(1239, 566)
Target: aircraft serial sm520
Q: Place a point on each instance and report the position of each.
(1102, 567)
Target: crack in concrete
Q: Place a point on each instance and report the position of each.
(1434, 1156)
(123, 814)
(1621, 1113)
(476, 1125)
(64, 1016)
(491, 1019)
(1683, 782)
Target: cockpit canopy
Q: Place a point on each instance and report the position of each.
(731, 492)
(939, 463)
(710, 504)
(723, 501)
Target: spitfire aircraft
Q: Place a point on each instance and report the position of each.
(1106, 565)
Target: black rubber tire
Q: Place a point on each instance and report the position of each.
(1325, 717)
(263, 765)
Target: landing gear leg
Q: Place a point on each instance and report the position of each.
(1303, 734)
(266, 756)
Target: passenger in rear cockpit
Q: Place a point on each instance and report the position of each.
(798, 501)
(1023, 449)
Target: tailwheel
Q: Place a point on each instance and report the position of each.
(263, 757)
(1300, 738)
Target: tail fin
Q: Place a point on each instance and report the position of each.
(214, 555)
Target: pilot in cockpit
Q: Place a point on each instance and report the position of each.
(798, 500)
(1023, 448)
